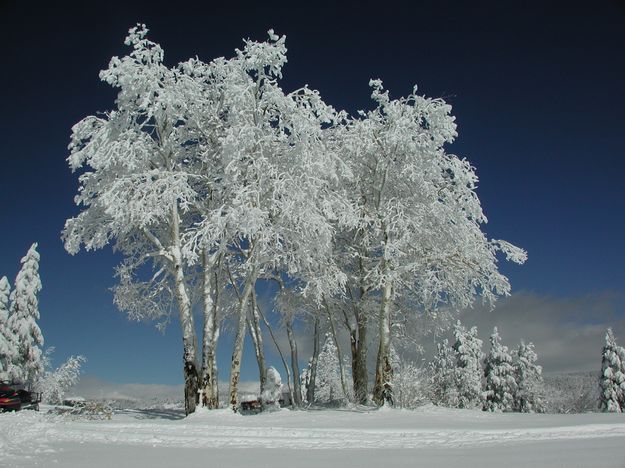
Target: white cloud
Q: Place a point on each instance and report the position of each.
(568, 332)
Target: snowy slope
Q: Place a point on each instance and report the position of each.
(430, 436)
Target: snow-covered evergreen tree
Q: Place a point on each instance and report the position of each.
(328, 383)
(468, 348)
(443, 375)
(612, 378)
(528, 374)
(8, 345)
(500, 383)
(621, 354)
(23, 317)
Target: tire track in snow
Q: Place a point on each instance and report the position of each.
(211, 436)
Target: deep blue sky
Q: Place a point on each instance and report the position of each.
(537, 89)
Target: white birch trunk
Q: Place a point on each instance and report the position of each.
(382, 391)
(310, 391)
(186, 317)
(208, 381)
(297, 388)
(340, 355)
(237, 353)
(275, 342)
(257, 340)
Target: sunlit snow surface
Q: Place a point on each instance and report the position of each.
(430, 436)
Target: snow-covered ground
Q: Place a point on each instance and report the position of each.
(426, 437)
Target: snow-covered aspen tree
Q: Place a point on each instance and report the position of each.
(528, 375)
(468, 348)
(419, 230)
(8, 341)
(273, 188)
(23, 316)
(612, 378)
(135, 186)
(500, 386)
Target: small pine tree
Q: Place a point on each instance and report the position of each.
(55, 383)
(612, 378)
(328, 383)
(529, 378)
(443, 372)
(23, 319)
(499, 372)
(468, 349)
(8, 342)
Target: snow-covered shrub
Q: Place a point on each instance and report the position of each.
(570, 393)
(410, 383)
(273, 389)
(91, 410)
(500, 382)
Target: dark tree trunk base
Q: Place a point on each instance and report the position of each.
(191, 387)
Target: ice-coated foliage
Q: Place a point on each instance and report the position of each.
(419, 231)
(411, 387)
(612, 378)
(269, 169)
(55, 383)
(8, 342)
(24, 313)
(206, 160)
(211, 170)
(139, 186)
(443, 376)
(529, 379)
(500, 386)
(468, 353)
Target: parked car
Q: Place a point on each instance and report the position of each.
(13, 397)
(9, 398)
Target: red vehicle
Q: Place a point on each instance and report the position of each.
(14, 398)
